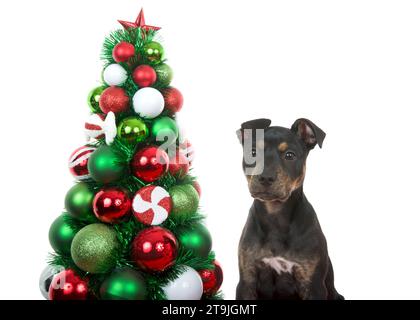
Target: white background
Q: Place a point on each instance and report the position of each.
(352, 67)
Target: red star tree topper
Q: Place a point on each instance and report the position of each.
(139, 23)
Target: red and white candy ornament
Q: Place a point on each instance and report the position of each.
(152, 205)
(78, 162)
(100, 126)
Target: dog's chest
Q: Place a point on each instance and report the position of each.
(279, 254)
(280, 264)
(278, 277)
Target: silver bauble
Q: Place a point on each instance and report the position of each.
(46, 277)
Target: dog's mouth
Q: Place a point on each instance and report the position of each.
(267, 196)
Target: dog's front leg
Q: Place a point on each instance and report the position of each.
(246, 290)
(315, 289)
(247, 286)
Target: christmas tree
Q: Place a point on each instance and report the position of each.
(132, 227)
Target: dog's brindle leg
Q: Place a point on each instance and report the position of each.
(250, 254)
(312, 275)
(329, 282)
(247, 286)
(246, 290)
(317, 289)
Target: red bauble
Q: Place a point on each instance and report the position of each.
(150, 163)
(197, 187)
(123, 51)
(179, 165)
(78, 162)
(114, 99)
(144, 76)
(154, 249)
(173, 99)
(66, 285)
(111, 205)
(212, 279)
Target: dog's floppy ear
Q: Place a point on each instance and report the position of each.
(252, 124)
(309, 133)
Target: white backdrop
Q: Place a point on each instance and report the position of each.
(352, 67)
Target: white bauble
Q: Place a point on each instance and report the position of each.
(46, 277)
(188, 286)
(115, 75)
(148, 103)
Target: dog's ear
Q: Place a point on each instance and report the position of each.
(309, 133)
(252, 124)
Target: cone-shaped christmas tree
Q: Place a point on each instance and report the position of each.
(131, 227)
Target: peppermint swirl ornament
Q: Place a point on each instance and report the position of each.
(152, 205)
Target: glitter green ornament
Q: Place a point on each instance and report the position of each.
(95, 247)
(61, 235)
(78, 201)
(132, 130)
(124, 284)
(106, 165)
(165, 129)
(185, 200)
(164, 75)
(197, 239)
(93, 99)
(153, 52)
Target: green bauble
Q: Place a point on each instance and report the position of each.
(164, 75)
(165, 129)
(153, 52)
(61, 235)
(78, 201)
(106, 165)
(133, 130)
(198, 240)
(124, 284)
(185, 200)
(93, 99)
(94, 248)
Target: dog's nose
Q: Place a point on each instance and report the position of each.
(266, 180)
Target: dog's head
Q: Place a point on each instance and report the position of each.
(274, 158)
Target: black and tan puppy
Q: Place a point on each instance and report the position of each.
(282, 252)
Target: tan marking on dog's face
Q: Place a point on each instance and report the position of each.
(283, 146)
(281, 189)
(260, 144)
(249, 179)
(299, 181)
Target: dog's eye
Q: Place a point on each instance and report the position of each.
(289, 155)
(254, 152)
